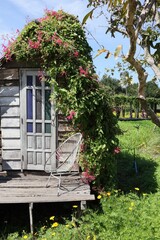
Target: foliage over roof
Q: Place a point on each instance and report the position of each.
(58, 44)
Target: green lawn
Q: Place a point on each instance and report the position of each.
(132, 210)
(139, 162)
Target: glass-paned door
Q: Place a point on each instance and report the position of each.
(37, 122)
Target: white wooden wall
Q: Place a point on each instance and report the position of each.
(10, 119)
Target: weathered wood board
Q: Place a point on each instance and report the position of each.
(9, 74)
(13, 111)
(9, 101)
(9, 91)
(27, 188)
(10, 122)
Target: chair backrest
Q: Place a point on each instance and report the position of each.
(68, 152)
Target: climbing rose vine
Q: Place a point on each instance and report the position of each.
(56, 44)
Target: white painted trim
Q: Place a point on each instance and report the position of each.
(23, 73)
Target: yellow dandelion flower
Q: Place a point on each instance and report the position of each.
(144, 194)
(94, 237)
(136, 188)
(108, 194)
(130, 209)
(116, 191)
(99, 197)
(52, 218)
(73, 224)
(55, 224)
(53, 234)
(132, 204)
(25, 236)
(75, 206)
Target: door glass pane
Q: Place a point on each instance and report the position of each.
(29, 104)
(29, 127)
(47, 128)
(38, 81)
(29, 81)
(38, 127)
(47, 105)
(38, 104)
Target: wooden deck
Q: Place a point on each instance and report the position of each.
(29, 187)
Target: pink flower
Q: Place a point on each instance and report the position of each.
(17, 31)
(54, 36)
(51, 13)
(87, 177)
(7, 52)
(117, 150)
(43, 19)
(76, 54)
(33, 44)
(40, 34)
(4, 48)
(71, 115)
(56, 39)
(59, 41)
(41, 75)
(83, 72)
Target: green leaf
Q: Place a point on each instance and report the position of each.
(88, 15)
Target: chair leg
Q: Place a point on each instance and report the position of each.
(47, 184)
(59, 185)
(59, 182)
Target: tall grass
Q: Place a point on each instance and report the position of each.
(139, 161)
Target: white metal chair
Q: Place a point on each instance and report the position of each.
(66, 156)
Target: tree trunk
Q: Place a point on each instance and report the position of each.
(149, 111)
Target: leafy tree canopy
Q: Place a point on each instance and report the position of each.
(139, 21)
(113, 84)
(152, 90)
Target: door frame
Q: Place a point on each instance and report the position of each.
(23, 127)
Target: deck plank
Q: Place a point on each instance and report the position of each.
(27, 188)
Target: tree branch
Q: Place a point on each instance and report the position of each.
(142, 74)
(150, 112)
(151, 62)
(146, 9)
(122, 31)
(131, 9)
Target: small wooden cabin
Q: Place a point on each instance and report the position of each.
(29, 129)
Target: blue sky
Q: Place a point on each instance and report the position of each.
(14, 14)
